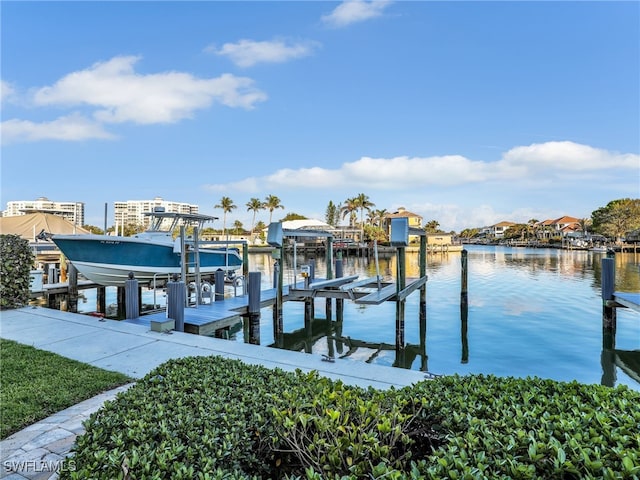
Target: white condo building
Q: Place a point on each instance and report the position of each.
(72, 211)
(132, 212)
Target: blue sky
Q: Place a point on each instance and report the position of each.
(467, 113)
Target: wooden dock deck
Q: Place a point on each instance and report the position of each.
(208, 318)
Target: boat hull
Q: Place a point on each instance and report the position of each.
(109, 260)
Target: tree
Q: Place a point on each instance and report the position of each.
(532, 227)
(238, 228)
(617, 218)
(293, 216)
(376, 216)
(93, 229)
(469, 232)
(254, 205)
(349, 208)
(432, 226)
(363, 203)
(516, 231)
(332, 214)
(272, 202)
(374, 232)
(227, 206)
(585, 223)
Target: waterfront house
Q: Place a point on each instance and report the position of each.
(414, 220)
(498, 230)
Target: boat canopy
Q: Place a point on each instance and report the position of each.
(160, 220)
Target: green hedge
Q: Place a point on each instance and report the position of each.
(16, 262)
(206, 418)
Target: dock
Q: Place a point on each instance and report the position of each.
(628, 300)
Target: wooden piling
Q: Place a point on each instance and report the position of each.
(401, 281)
(422, 307)
(121, 299)
(219, 285)
(72, 274)
(101, 299)
(464, 306)
(339, 301)
(608, 282)
(278, 329)
(132, 305)
(176, 293)
(254, 307)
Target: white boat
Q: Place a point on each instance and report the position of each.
(152, 256)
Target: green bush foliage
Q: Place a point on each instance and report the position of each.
(16, 262)
(211, 418)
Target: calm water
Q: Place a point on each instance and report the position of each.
(532, 312)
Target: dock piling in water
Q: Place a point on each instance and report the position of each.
(254, 307)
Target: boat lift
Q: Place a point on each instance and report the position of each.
(371, 291)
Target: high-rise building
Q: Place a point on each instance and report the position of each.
(132, 212)
(72, 211)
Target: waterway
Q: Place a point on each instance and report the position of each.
(531, 313)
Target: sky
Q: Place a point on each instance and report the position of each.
(467, 113)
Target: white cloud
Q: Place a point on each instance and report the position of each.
(568, 156)
(247, 53)
(122, 95)
(353, 11)
(6, 91)
(73, 127)
(536, 163)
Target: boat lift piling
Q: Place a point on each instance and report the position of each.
(254, 307)
(464, 307)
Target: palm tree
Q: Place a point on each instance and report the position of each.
(363, 203)
(254, 205)
(272, 202)
(432, 226)
(227, 206)
(349, 208)
(532, 227)
(376, 216)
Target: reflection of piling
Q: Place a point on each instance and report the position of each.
(132, 304)
(254, 308)
(176, 293)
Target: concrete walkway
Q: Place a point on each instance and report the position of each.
(36, 452)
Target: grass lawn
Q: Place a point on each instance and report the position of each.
(35, 384)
